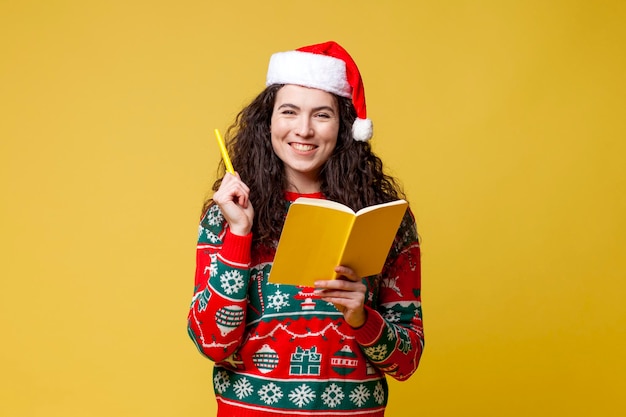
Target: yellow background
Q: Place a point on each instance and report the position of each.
(505, 121)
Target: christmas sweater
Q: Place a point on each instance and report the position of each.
(278, 350)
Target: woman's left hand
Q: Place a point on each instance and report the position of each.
(347, 293)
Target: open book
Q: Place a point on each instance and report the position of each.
(319, 235)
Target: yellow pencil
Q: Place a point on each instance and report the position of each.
(225, 157)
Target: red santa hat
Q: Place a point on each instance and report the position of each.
(325, 66)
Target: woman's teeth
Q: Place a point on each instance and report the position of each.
(302, 147)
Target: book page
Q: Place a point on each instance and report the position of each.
(323, 203)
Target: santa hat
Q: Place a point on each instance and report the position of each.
(325, 66)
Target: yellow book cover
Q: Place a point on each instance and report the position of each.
(319, 235)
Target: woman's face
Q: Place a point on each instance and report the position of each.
(305, 124)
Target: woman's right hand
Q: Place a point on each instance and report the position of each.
(233, 199)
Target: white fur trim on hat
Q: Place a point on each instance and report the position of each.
(362, 130)
(309, 70)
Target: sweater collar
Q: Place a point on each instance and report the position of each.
(292, 196)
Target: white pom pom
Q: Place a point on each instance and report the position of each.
(362, 130)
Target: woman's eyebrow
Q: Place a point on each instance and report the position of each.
(289, 105)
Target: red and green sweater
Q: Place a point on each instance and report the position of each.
(280, 351)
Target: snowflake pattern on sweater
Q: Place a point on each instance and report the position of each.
(279, 349)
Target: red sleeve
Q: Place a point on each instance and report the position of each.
(216, 319)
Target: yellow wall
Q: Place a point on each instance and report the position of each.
(505, 121)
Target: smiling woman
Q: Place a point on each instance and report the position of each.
(307, 135)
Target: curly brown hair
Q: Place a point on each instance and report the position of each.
(353, 175)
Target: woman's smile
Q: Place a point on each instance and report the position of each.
(302, 147)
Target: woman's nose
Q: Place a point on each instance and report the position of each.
(304, 127)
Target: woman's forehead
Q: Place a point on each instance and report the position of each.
(299, 95)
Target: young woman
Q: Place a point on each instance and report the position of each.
(287, 350)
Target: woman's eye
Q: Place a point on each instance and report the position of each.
(323, 115)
